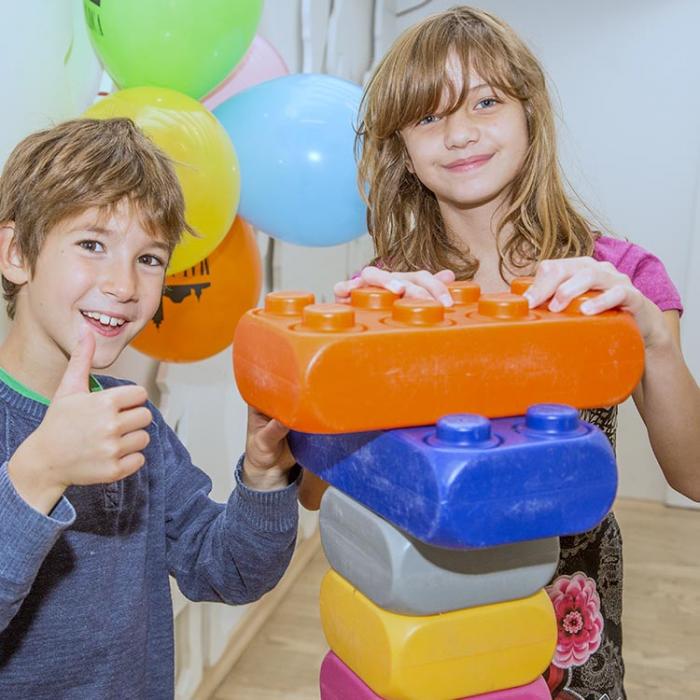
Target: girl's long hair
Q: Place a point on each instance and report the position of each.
(403, 216)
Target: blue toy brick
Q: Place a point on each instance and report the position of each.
(468, 482)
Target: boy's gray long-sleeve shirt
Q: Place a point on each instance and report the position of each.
(85, 607)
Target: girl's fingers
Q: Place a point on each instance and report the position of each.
(342, 290)
(422, 284)
(563, 280)
(435, 288)
(375, 277)
(445, 276)
(414, 291)
(581, 282)
(550, 274)
(619, 295)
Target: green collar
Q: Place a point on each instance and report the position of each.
(26, 391)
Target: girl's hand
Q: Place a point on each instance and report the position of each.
(560, 281)
(412, 285)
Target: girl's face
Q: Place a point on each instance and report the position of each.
(469, 158)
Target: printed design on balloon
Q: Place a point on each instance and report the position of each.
(200, 307)
(92, 18)
(177, 293)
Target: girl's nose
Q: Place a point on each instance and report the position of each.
(460, 131)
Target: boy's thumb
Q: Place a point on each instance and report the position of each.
(76, 378)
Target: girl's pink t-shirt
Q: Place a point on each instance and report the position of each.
(646, 271)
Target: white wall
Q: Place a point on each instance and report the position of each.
(626, 77)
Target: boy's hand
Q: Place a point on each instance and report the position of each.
(85, 438)
(268, 458)
(412, 285)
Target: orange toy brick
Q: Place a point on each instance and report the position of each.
(383, 362)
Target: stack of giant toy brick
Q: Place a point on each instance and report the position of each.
(441, 538)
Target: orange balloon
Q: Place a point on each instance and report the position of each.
(201, 306)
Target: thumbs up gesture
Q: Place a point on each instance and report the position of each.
(85, 438)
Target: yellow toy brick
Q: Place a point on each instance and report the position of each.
(438, 657)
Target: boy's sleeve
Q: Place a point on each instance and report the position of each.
(26, 537)
(233, 552)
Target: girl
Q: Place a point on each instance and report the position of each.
(458, 161)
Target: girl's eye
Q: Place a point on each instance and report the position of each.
(430, 119)
(151, 261)
(93, 246)
(486, 103)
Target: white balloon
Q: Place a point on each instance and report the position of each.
(49, 71)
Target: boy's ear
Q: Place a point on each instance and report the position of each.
(11, 263)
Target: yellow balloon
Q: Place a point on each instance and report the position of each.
(204, 157)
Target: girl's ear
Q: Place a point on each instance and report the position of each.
(11, 263)
(408, 162)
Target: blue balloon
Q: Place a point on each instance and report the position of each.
(294, 137)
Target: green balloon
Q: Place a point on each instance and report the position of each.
(185, 45)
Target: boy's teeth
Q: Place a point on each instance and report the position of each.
(104, 319)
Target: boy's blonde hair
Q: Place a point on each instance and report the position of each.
(403, 215)
(60, 172)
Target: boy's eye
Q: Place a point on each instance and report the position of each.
(151, 260)
(430, 119)
(94, 246)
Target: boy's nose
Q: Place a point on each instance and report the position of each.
(120, 282)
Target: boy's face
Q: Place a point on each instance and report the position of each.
(104, 272)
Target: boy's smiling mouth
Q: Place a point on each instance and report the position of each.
(106, 324)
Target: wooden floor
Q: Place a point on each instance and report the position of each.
(661, 620)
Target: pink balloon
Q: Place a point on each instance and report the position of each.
(261, 63)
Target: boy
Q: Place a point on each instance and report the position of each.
(99, 500)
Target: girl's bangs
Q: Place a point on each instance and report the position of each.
(425, 89)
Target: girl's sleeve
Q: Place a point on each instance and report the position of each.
(647, 273)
